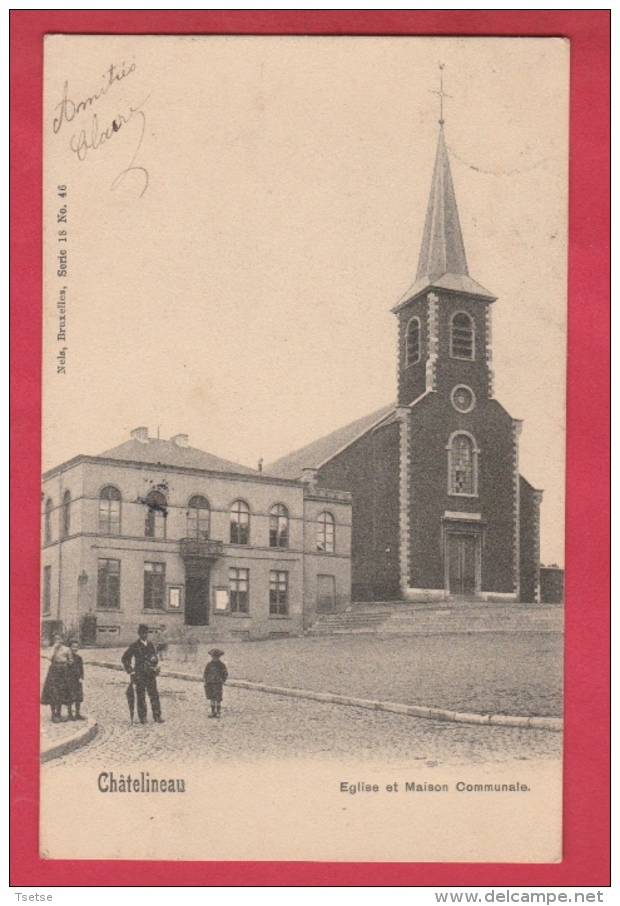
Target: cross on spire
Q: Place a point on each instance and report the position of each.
(441, 93)
(442, 262)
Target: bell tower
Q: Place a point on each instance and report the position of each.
(444, 320)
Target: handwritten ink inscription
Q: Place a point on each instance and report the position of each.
(93, 130)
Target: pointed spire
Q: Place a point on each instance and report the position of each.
(442, 263)
(442, 250)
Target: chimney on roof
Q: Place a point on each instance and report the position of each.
(310, 478)
(181, 440)
(140, 434)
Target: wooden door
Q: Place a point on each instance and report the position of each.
(462, 564)
(326, 594)
(197, 600)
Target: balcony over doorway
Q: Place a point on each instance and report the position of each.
(206, 550)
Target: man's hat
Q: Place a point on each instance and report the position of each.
(143, 627)
(215, 652)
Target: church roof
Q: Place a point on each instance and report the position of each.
(319, 451)
(442, 262)
(458, 283)
(168, 453)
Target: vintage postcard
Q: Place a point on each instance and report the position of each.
(302, 501)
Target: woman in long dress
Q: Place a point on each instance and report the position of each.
(56, 688)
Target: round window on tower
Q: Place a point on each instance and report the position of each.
(463, 398)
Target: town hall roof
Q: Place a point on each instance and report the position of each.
(319, 451)
(172, 453)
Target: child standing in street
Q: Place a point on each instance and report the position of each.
(215, 676)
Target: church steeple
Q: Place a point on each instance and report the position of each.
(442, 263)
(445, 317)
(442, 251)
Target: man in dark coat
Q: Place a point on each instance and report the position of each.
(215, 676)
(140, 662)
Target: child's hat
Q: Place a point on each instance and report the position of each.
(216, 652)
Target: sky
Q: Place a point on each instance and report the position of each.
(235, 248)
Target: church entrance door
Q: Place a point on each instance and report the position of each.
(462, 556)
(197, 600)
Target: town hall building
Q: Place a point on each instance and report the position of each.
(440, 510)
(159, 532)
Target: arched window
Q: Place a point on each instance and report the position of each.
(110, 511)
(462, 345)
(278, 526)
(412, 342)
(239, 523)
(47, 530)
(66, 513)
(156, 512)
(325, 533)
(198, 517)
(463, 465)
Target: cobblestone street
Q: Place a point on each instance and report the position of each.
(257, 725)
(508, 673)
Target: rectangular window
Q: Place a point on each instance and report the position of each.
(154, 586)
(278, 593)
(239, 581)
(109, 584)
(47, 589)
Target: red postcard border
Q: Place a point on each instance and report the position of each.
(586, 782)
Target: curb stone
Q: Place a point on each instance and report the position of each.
(63, 746)
(553, 724)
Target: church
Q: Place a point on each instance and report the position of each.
(440, 510)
